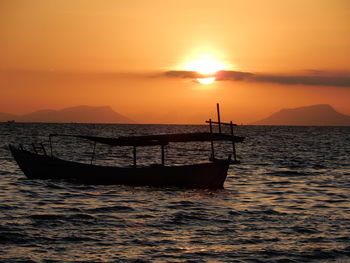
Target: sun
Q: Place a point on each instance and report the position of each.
(206, 66)
(206, 81)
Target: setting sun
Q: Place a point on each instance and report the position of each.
(206, 66)
(206, 80)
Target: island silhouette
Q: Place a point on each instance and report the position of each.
(78, 114)
(314, 115)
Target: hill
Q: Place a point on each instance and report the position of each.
(79, 114)
(315, 115)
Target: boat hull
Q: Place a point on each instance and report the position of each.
(210, 175)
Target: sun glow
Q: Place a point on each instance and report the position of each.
(207, 66)
(206, 81)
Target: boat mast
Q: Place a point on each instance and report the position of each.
(219, 126)
(211, 139)
(218, 112)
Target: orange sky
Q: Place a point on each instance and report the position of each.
(56, 54)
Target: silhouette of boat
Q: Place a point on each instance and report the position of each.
(38, 164)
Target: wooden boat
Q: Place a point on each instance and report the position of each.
(209, 175)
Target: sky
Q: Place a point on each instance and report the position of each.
(133, 55)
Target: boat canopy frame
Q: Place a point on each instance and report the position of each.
(164, 139)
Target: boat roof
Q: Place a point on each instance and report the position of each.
(161, 139)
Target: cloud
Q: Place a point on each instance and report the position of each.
(233, 75)
(336, 81)
(183, 74)
(310, 78)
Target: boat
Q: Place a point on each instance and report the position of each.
(38, 163)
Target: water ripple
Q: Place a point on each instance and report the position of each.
(287, 202)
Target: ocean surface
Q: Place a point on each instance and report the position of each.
(288, 201)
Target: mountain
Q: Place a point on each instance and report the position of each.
(79, 114)
(315, 115)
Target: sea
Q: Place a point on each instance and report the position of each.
(288, 200)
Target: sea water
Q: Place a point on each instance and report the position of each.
(288, 200)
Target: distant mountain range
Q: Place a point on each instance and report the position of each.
(315, 115)
(79, 114)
